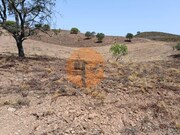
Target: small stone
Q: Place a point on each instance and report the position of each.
(92, 115)
(10, 109)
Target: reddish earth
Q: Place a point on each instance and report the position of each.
(138, 95)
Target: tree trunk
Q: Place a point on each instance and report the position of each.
(20, 49)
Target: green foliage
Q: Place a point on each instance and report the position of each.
(10, 23)
(177, 47)
(89, 34)
(38, 26)
(100, 37)
(74, 31)
(93, 34)
(138, 32)
(56, 31)
(46, 27)
(118, 50)
(129, 36)
(25, 13)
(11, 26)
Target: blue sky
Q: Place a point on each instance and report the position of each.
(118, 17)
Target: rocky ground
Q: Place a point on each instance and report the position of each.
(133, 99)
(137, 96)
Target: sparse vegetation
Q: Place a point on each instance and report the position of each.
(56, 31)
(93, 34)
(118, 50)
(12, 26)
(129, 36)
(138, 32)
(100, 37)
(89, 34)
(38, 26)
(159, 36)
(10, 23)
(46, 87)
(23, 102)
(46, 27)
(177, 47)
(74, 31)
(25, 15)
(70, 85)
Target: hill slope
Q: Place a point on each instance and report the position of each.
(159, 36)
(64, 38)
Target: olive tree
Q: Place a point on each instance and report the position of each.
(26, 14)
(129, 36)
(100, 37)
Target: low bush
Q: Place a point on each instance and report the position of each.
(46, 27)
(93, 34)
(11, 26)
(38, 26)
(56, 31)
(74, 31)
(10, 23)
(118, 50)
(138, 33)
(100, 37)
(89, 35)
(129, 36)
(177, 47)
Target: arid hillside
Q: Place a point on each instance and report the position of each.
(159, 36)
(64, 38)
(138, 95)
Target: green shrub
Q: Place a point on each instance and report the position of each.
(129, 36)
(10, 23)
(11, 26)
(56, 31)
(74, 31)
(118, 50)
(93, 34)
(177, 47)
(46, 27)
(38, 26)
(100, 37)
(138, 33)
(90, 34)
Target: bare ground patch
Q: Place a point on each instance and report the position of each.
(134, 98)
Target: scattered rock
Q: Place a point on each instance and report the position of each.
(92, 116)
(10, 109)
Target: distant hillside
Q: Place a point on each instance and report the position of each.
(159, 36)
(64, 38)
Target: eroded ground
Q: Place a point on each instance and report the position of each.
(138, 96)
(134, 98)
